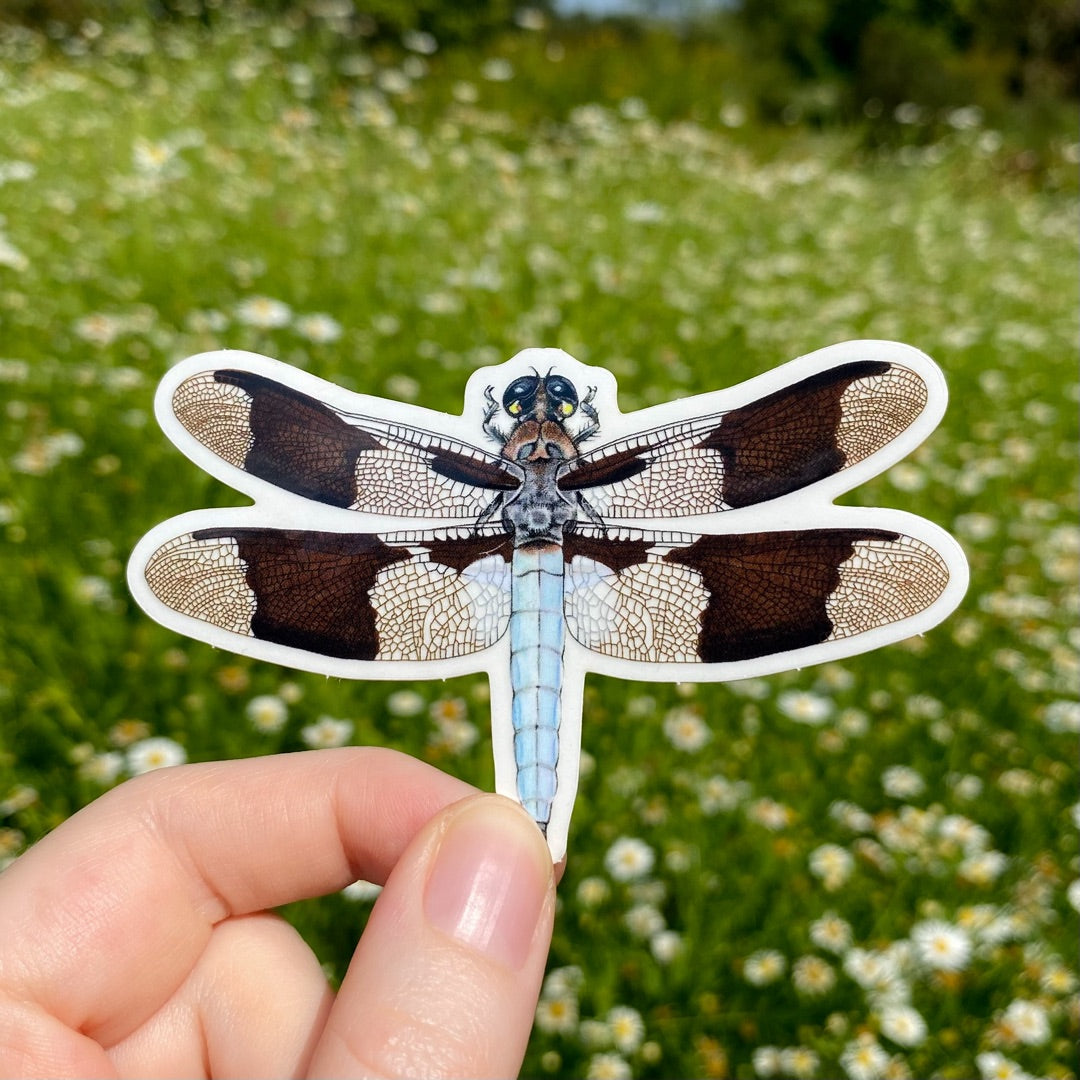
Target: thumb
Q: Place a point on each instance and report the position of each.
(445, 980)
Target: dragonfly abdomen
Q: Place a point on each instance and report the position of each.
(536, 672)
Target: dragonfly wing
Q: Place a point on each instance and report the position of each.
(423, 596)
(777, 598)
(298, 443)
(783, 442)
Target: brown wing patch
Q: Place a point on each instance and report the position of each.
(779, 591)
(311, 589)
(813, 429)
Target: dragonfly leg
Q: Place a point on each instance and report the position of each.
(489, 510)
(491, 408)
(590, 511)
(586, 408)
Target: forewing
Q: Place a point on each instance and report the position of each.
(420, 596)
(300, 444)
(677, 598)
(783, 442)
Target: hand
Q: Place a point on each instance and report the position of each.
(136, 941)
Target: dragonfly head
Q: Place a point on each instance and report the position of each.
(541, 397)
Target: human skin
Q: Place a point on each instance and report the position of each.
(138, 938)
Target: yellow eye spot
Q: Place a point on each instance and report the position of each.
(566, 408)
(514, 408)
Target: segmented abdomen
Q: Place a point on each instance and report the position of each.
(536, 671)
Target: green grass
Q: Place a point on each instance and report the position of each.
(445, 221)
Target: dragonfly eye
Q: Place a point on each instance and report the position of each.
(520, 395)
(561, 395)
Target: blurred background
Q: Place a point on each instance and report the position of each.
(867, 869)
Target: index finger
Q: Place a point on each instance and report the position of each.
(105, 916)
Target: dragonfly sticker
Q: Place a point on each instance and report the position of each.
(543, 533)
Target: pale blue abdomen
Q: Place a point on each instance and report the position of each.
(536, 669)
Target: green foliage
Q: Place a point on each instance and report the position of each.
(929, 52)
(444, 211)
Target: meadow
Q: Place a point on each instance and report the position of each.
(866, 869)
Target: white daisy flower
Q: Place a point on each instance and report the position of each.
(627, 1028)
(902, 782)
(102, 768)
(1027, 1021)
(326, 732)
(864, 1059)
(266, 713)
(903, 1025)
(686, 730)
(832, 864)
(831, 932)
(764, 966)
(318, 328)
(812, 976)
(644, 920)
(804, 707)
(995, 1066)
(593, 891)
(405, 703)
(629, 859)
(263, 312)
(156, 752)
(940, 945)
(560, 982)
(767, 1061)
(799, 1061)
(557, 1015)
(666, 946)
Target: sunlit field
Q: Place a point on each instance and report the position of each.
(867, 869)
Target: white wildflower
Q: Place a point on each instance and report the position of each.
(627, 1028)
(266, 713)
(326, 732)
(686, 730)
(804, 707)
(405, 703)
(832, 864)
(1062, 716)
(608, 1067)
(1027, 1022)
(263, 312)
(557, 1015)
(156, 752)
(903, 1025)
(102, 768)
(984, 868)
(593, 891)
(831, 932)
(666, 946)
(767, 1061)
(629, 859)
(940, 945)
(644, 920)
(318, 328)
(497, 69)
(864, 1059)
(764, 966)
(812, 976)
(995, 1066)
(902, 782)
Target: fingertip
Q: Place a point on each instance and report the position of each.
(447, 974)
(491, 879)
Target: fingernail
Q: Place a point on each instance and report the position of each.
(490, 881)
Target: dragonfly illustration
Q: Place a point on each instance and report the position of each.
(543, 533)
